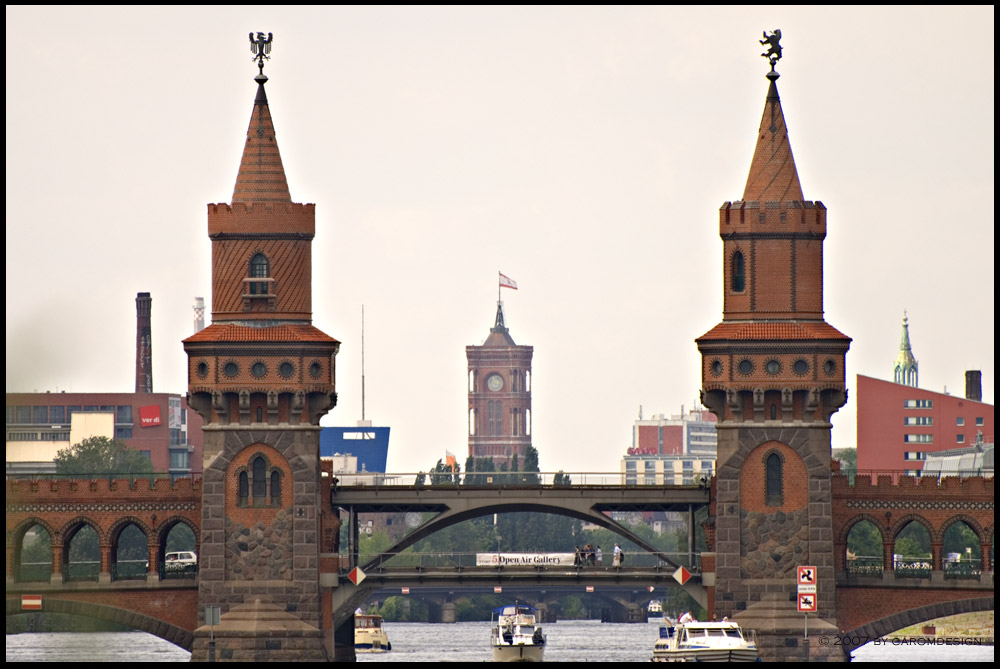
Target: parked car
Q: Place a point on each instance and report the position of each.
(180, 561)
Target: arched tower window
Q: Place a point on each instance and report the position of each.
(244, 488)
(772, 479)
(259, 480)
(260, 268)
(739, 272)
(275, 484)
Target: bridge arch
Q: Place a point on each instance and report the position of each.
(138, 621)
(452, 517)
(131, 568)
(900, 524)
(166, 526)
(69, 534)
(15, 546)
(897, 621)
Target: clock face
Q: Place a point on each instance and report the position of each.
(494, 382)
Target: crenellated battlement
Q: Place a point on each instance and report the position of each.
(262, 218)
(887, 486)
(792, 216)
(89, 490)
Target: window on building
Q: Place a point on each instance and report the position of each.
(918, 438)
(914, 455)
(772, 480)
(739, 272)
(918, 404)
(960, 439)
(919, 420)
(57, 415)
(960, 421)
(178, 459)
(123, 433)
(275, 484)
(259, 480)
(259, 269)
(40, 415)
(244, 488)
(23, 416)
(979, 421)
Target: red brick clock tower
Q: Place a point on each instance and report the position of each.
(499, 396)
(773, 373)
(261, 376)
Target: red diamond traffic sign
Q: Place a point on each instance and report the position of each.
(356, 575)
(682, 575)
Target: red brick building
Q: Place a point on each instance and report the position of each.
(898, 424)
(158, 424)
(499, 396)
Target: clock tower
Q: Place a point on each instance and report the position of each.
(499, 396)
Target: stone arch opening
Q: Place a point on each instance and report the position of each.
(912, 549)
(864, 548)
(879, 628)
(961, 550)
(33, 552)
(176, 635)
(129, 550)
(81, 552)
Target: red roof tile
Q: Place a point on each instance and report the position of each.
(227, 332)
(770, 331)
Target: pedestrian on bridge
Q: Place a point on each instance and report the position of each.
(616, 560)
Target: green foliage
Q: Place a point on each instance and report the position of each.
(132, 545)
(404, 610)
(958, 537)
(478, 607)
(103, 456)
(84, 546)
(562, 479)
(37, 547)
(913, 541)
(180, 538)
(444, 473)
(864, 540)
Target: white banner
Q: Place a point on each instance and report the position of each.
(524, 559)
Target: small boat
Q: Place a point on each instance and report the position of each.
(655, 609)
(369, 637)
(516, 635)
(693, 641)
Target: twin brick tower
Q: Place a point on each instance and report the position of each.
(261, 376)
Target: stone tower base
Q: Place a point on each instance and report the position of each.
(782, 635)
(259, 632)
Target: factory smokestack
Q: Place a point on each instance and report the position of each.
(974, 385)
(143, 343)
(199, 314)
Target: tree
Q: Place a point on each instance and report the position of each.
(100, 455)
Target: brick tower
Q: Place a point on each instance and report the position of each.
(261, 376)
(499, 396)
(773, 373)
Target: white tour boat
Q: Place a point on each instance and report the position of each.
(655, 609)
(516, 636)
(369, 637)
(694, 641)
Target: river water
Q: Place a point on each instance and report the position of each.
(568, 641)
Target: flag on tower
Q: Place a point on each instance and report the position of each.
(450, 460)
(507, 282)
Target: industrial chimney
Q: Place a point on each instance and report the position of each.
(974, 385)
(199, 314)
(143, 343)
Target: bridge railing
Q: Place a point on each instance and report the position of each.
(873, 475)
(463, 560)
(515, 479)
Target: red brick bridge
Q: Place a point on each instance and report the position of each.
(872, 599)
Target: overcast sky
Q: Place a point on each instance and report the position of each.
(584, 152)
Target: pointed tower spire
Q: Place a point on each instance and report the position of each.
(499, 326)
(905, 370)
(262, 176)
(773, 176)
